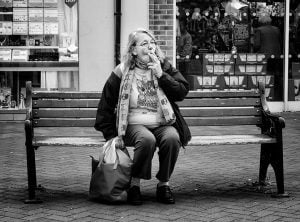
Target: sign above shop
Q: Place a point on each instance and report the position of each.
(70, 3)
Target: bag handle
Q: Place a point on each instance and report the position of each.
(105, 147)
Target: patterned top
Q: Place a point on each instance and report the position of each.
(144, 107)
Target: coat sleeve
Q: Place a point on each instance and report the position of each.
(173, 83)
(106, 112)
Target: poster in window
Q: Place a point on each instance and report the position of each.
(35, 3)
(35, 28)
(50, 15)
(5, 28)
(20, 28)
(20, 55)
(20, 14)
(20, 3)
(50, 3)
(35, 14)
(50, 28)
(5, 55)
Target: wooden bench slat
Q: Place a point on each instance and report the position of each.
(187, 112)
(97, 95)
(230, 140)
(81, 103)
(66, 95)
(223, 121)
(64, 113)
(229, 102)
(75, 103)
(69, 141)
(222, 94)
(195, 141)
(192, 121)
(220, 112)
(64, 122)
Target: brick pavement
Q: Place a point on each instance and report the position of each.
(210, 184)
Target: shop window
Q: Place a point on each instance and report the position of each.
(38, 42)
(231, 45)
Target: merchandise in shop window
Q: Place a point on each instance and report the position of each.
(3, 40)
(39, 26)
(296, 78)
(6, 3)
(34, 31)
(5, 55)
(6, 101)
(221, 28)
(5, 98)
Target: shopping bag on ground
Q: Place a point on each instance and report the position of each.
(111, 174)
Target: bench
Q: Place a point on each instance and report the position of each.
(215, 108)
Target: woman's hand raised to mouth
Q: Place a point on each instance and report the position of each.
(154, 65)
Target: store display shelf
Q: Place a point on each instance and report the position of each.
(39, 66)
(29, 47)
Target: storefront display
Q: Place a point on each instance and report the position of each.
(229, 48)
(39, 36)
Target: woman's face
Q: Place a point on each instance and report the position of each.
(144, 45)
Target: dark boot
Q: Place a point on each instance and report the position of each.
(164, 195)
(134, 196)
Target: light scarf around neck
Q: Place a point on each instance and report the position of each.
(124, 96)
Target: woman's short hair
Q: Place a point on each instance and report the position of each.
(128, 58)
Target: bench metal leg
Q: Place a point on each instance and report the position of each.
(31, 173)
(277, 164)
(265, 160)
(272, 154)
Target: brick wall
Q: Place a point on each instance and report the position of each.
(161, 24)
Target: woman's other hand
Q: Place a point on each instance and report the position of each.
(154, 65)
(119, 142)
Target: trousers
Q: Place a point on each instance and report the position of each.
(145, 141)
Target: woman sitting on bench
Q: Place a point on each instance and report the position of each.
(139, 98)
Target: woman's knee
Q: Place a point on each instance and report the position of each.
(146, 142)
(171, 138)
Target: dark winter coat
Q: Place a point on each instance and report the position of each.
(174, 86)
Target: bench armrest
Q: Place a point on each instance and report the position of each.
(28, 104)
(272, 124)
(28, 132)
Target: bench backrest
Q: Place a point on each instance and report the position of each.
(78, 109)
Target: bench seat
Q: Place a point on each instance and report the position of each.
(196, 140)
